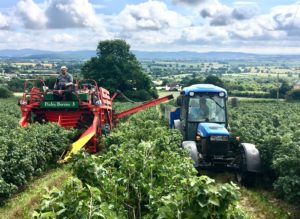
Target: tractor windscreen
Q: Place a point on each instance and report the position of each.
(207, 108)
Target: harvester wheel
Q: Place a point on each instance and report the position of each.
(243, 176)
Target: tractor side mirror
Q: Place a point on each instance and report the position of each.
(179, 101)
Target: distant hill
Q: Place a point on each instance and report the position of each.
(141, 55)
(21, 53)
(44, 54)
(193, 55)
(219, 56)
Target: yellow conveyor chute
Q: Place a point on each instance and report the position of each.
(81, 142)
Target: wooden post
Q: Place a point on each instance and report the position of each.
(234, 102)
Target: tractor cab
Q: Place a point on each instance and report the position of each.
(203, 109)
(202, 119)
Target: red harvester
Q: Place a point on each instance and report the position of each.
(85, 106)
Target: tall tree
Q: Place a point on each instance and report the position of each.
(211, 79)
(116, 68)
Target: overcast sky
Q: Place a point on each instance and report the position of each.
(260, 26)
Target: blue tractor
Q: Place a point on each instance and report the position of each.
(203, 121)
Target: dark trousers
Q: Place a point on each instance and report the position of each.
(65, 95)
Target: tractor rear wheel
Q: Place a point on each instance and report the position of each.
(246, 178)
(243, 176)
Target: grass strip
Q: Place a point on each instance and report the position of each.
(23, 204)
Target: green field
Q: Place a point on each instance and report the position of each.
(271, 125)
(166, 93)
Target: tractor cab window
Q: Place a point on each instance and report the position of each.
(206, 108)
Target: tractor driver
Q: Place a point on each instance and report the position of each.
(198, 109)
(64, 84)
(204, 108)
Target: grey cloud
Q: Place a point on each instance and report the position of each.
(238, 15)
(204, 34)
(291, 30)
(5, 22)
(147, 23)
(218, 13)
(31, 14)
(69, 14)
(60, 18)
(221, 20)
(149, 16)
(205, 13)
(285, 21)
(190, 2)
(152, 24)
(224, 15)
(244, 13)
(293, 34)
(56, 14)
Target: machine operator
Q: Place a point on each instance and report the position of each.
(63, 84)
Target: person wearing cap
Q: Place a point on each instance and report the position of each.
(64, 82)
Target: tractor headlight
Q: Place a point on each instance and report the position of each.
(219, 138)
(221, 94)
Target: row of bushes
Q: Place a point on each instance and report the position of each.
(26, 152)
(142, 174)
(293, 95)
(290, 95)
(252, 94)
(5, 93)
(274, 128)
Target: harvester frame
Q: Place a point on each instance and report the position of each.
(89, 107)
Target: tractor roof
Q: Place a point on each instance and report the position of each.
(203, 88)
